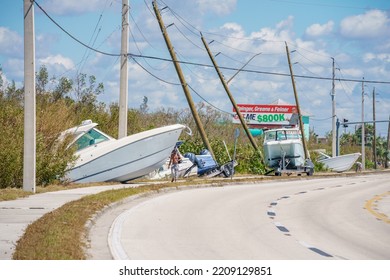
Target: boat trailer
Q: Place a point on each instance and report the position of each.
(284, 166)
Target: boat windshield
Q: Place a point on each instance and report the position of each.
(270, 135)
(281, 135)
(90, 138)
(293, 134)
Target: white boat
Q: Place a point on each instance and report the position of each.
(338, 163)
(101, 157)
(283, 145)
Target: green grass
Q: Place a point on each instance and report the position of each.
(60, 234)
(15, 193)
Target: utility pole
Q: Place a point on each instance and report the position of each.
(363, 132)
(373, 117)
(29, 153)
(226, 87)
(334, 152)
(182, 79)
(307, 155)
(388, 145)
(124, 82)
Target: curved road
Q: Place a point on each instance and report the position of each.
(334, 218)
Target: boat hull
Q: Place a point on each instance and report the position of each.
(125, 159)
(292, 150)
(340, 163)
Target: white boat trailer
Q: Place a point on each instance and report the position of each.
(308, 168)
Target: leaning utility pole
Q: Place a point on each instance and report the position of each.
(182, 79)
(334, 153)
(363, 132)
(373, 117)
(307, 155)
(124, 82)
(224, 83)
(29, 153)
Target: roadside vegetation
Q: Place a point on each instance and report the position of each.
(63, 103)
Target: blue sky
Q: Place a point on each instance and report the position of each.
(356, 33)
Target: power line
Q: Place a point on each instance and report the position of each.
(70, 35)
(153, 75)
(205, 100)
(200, 64)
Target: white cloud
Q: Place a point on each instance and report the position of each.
(317, 29)
(10, 42)
(57, 62)
(72, 6)
(216, 6)
(372, 24)
(369, 57)
(353, 72)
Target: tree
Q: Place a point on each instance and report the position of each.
(63, 88)
(42, 79)
(144, 106)
(86, 94)
(368, 133)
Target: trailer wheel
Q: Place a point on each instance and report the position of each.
(227, 171)
(310, 172)
(278, 173)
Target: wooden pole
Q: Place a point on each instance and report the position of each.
(182, 79)
(307, 155)
(225, 85)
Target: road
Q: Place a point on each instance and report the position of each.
(293, 219)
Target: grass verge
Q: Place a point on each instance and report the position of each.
(15, 193)
(60, 234)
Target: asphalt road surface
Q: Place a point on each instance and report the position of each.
(301, 219)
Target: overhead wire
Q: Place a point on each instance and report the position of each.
(87, 50)
(140, 53)
(205, 100)
(199, 64)
(70, 35)
(182, 19)
(153, 75)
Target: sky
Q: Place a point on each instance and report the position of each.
(355, 33)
